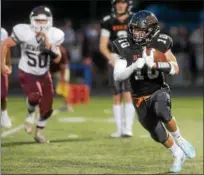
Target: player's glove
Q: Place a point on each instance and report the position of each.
(139, 64)
(50, 51)
(149, 60)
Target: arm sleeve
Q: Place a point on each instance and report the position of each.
(121, 71)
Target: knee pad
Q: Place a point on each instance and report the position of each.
(34, 97)
(46, 115)
(159, 134)
(162, 109)
(3, 98)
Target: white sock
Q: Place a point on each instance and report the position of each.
(176, 134)
(129, 116)
(117, 113)
(4, 113)
(29, 106)
(175, 149)
(41, 123)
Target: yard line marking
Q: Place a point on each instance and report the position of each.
(107, 111)
(84, 119)
(73, 136)
(144, 136)
(12, 131)
(72, 119)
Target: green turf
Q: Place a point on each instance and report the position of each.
(93, 152)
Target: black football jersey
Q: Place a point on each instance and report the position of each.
(144, 81)
(116, 28)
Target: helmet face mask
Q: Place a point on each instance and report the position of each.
(139, 35)
(41, 19)
(143, 27)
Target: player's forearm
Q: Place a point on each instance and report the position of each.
(106, 52)
(124, 74)
(121, 71)
(57, 59)
(8, 58)
(55, 54)
(4, 50)
(170, 67)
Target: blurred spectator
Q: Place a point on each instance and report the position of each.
(69, 34)
(181, 59)
(91, 52)
(196, 39)
(91, 41)
(76, 52)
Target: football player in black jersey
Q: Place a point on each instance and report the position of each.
(151, 95)
(112, 27)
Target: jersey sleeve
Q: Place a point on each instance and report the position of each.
(163, 43)
(4, 34)
(105, 26)
(58, 37)
(19, 33)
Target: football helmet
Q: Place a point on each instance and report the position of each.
(143, 26)
(129, 7)
(41, 13)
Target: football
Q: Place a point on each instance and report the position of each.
(158, 55)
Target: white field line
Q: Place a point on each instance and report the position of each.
(87, 119)
(12, 131)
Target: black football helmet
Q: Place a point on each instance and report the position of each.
(128, 10)
(143, 26)
(41, 13)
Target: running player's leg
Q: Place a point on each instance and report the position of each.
(5, 119)
(117, 104)
(33, 90)
(45, 106)
(129, 110)
(154, 126)
(162, 108)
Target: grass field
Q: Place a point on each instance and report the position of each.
(83, 146)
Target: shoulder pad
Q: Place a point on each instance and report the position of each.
(21, 32)
(106, 18)
(56, 36)
(163, 42)
(4, 34)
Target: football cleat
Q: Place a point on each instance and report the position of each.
(127, 134)
(39, 136)
(5, 121)
(178, 163)
(187, 148)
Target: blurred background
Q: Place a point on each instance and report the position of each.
(80, 21)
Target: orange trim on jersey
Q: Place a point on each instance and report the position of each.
(120, 27)
(139, 100)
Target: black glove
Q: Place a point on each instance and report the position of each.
(45, 50)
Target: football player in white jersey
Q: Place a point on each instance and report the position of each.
(5, 119)
(39, 43)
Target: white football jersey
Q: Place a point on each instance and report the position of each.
(4, 34)
(32, 60)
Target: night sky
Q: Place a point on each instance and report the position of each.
(15, 11)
